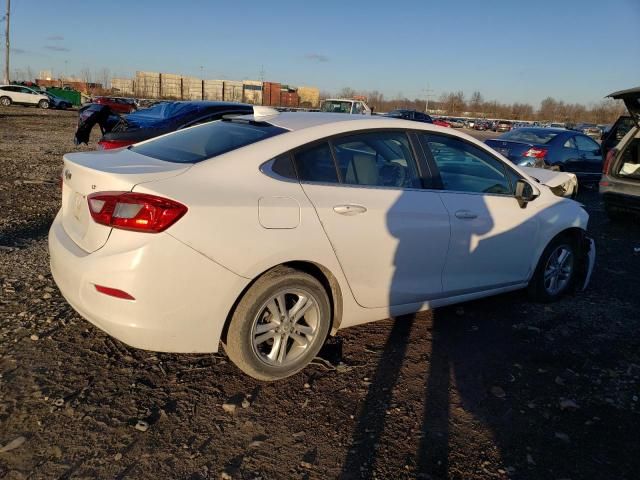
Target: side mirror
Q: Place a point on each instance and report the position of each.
(524, 193)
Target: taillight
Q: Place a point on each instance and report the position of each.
(611, 154)
(535, 153)
(134, 211)
(110, 144)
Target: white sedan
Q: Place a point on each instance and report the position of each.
(268, 232)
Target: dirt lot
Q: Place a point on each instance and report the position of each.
(498, 388)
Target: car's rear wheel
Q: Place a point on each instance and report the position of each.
(44, 104)
(556, 271)
(5, 101)
(279, 325)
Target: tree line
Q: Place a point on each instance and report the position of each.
(458, 104)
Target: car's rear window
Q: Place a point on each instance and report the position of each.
(528, 135)
(206, 141)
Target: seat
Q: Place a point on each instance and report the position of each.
(362, 170)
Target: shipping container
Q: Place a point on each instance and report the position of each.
(214, 90)
(309, 97)
(232, 91)
(289, 99)
(192, 88)
(252, 90)
(147, 84)
(271, 94)
(122, 86)
(171, 86)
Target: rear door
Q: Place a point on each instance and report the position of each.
(569, 158)
(492, 237)
(389, 234)
(590, 155)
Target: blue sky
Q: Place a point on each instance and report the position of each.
(577, 51)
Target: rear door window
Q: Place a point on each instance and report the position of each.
(570, 143)
(206, 141)
(381, 159)
(585, 144)
(315, 164)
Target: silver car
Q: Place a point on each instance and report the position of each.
(620, 182)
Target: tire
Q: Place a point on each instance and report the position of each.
(5, 101)
(254, 340)
(44, 104)
(541, 286)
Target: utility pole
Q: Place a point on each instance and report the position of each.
(262, 73)
(7, 46)
(427, 93)
(201, 82)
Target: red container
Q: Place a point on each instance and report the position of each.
(271, 94)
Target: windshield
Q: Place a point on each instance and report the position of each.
(529, 135)
(206, 141)
(336, 106)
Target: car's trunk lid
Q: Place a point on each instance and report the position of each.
(631, 99)
(91, 172)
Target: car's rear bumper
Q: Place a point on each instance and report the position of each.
(182, 298)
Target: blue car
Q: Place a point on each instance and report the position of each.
(557, 148)
(57, 102)
(410, 115)
(160, 118)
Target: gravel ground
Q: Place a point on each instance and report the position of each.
(498, 388)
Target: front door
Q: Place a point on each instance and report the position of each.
(492, 238)
(390, 236)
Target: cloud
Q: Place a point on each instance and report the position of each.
(55, 38)
(56, 48)
(18, 51)
(316, 57)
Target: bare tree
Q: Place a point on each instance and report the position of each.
(104, 77)
(475, 105)
(347, 92)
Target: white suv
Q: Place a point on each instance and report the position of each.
(22, 96)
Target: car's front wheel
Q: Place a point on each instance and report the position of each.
(556, 271)
(44, 104)
(5, 101)
(279, 325)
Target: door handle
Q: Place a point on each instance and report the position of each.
(349, 209)
(466, 215)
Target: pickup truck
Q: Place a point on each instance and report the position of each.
(345, 105)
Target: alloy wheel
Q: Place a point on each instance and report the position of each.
(285, 327)
(558, 270)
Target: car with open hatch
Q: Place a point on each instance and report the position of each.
(620, 182)
(267, 233)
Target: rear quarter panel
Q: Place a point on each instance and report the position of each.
(223, 223)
